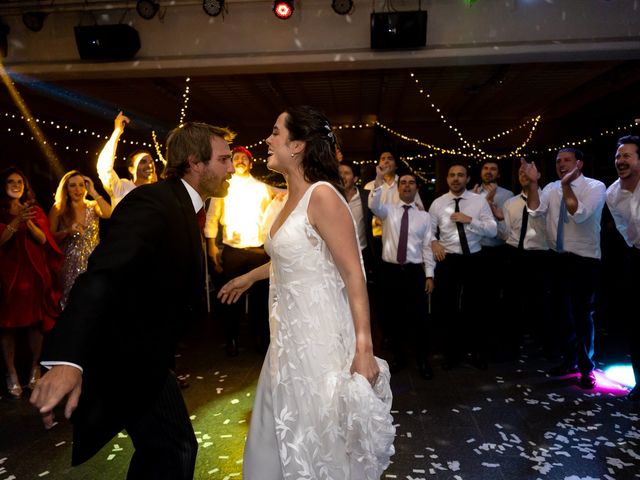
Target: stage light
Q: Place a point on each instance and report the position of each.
(342, 7)
(147, 9)
(213, 7)
(283, 9)
(34, 21)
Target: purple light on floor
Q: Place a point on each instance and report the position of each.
(604, 384)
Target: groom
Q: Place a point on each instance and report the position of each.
(113, 346)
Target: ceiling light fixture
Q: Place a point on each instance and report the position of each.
(213, 7)
(147, 9)
(283, 9)
(342, 7)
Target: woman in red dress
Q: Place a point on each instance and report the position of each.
(29, 264)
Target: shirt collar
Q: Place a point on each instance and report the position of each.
(194, 196)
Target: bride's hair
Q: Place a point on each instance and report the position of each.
(307, 124)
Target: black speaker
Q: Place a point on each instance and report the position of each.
(396, 30)
(107, 42)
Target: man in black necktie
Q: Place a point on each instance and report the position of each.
(527, 255)
(459, 220)
(407, 269)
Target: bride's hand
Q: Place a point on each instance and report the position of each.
(233, 289)
(365, 364)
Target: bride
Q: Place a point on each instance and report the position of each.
(322, 407)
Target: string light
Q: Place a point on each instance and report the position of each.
(185, 100)
(158, 148)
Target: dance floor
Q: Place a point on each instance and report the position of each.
(511, 422)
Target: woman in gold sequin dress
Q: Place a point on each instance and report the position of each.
(74, 221)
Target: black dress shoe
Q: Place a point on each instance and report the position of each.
(587, 381)
(634, 394)
(562, 370)
(425, 371)
(232, 348)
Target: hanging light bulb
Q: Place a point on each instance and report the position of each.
(283, 9)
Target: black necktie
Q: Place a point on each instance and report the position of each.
(401, 256)
(461, 233)
(525, 221)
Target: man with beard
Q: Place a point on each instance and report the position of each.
(623, 200)
(113, 358)
(572, 207)
(459, 221)
(140, 165)
(493, 266)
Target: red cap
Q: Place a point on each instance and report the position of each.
(241, 149)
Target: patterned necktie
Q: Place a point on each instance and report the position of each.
(562, 219)
(525, 222)
(461, 233)
(401, 256)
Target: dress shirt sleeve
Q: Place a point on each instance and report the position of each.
(427, 252)
(544, 202)
(613, 199)
(485, 224)
(590, 200)
(434, 221)
(378, 208)
(504, 227)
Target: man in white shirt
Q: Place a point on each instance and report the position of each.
(623, 200)
(572, 207)
(407, 269)
(527, 254)
(241, 214)
(140, 164)
(493, 266)
(459, 221)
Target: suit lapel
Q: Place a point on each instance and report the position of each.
(186, 207)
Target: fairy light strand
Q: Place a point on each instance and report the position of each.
(185, 102)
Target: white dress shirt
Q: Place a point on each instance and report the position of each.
(625, 209)
(501, 196)
(419, 234)
(582, 229)
(483, 224)
(536, 236)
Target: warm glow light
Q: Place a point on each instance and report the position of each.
(283, 9)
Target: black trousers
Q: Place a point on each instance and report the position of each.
(455, 301)
(404, 309)
(528, 297)
(574, 281)
(238, 261)
(164, 441)
(632, 269)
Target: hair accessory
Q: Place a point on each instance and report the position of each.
(330, 134)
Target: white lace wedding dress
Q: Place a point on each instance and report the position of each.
(311, 418)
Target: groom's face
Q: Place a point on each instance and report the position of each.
(215, 173)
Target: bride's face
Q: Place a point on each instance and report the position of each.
(279, 155)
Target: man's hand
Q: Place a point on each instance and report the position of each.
(530, 171)
(460, 217)
(491, 189)
(216, 257)
(381, 171)
(428, 285)
(120, 122)
(573, 174)
(497, 211)
(51, 389)
(438, 251)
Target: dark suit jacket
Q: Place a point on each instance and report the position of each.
(373, 252)
(126, 313)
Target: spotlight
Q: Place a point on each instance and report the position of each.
(342, 7)
(283, 9)
(213, 7)
(34, 21)
(147, 9)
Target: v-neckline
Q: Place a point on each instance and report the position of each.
(273, 235)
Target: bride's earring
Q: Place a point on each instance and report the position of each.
(293, 155)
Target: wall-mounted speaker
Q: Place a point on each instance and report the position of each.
(397, 30)
(107, 42)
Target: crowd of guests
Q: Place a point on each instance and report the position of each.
(458, 264)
